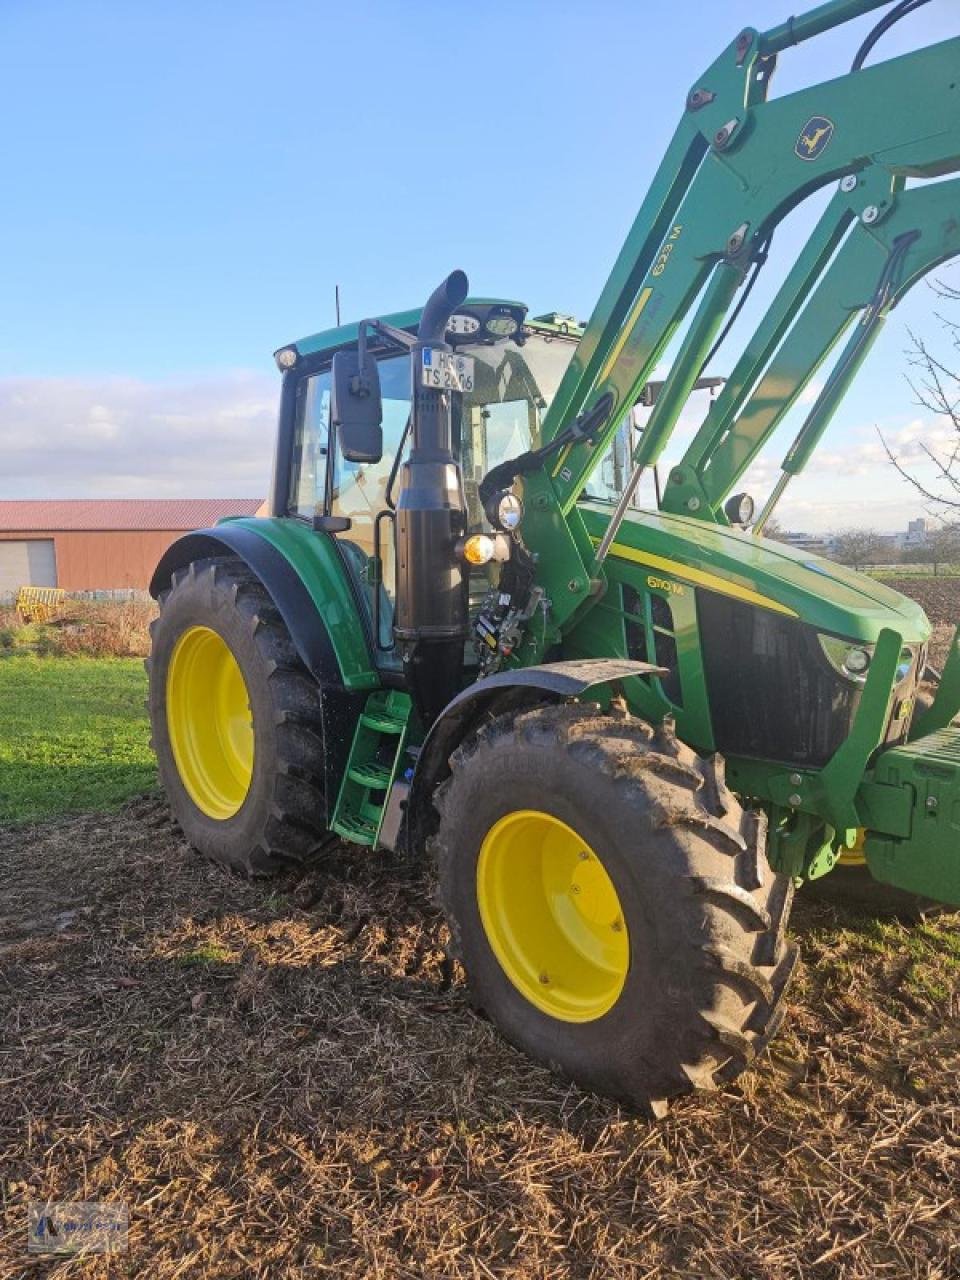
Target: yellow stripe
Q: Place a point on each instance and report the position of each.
(564, 453)
(632, 318)
(721, 585)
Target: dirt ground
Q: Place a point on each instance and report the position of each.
(285, 1079)
(940, 600)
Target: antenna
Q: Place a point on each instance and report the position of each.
(336, 298)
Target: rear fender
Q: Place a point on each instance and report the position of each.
(304, 577)
(509, 691)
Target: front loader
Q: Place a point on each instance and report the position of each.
(625, 735)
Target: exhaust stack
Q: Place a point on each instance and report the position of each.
(431, 621)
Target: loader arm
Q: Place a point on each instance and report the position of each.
(873, 269)
(737, 165)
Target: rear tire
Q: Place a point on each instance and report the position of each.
(706, 968)
(275, 782)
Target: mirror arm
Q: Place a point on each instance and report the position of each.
(400, 336)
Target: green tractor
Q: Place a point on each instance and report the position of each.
(625, 735)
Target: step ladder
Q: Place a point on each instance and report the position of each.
(376, 756)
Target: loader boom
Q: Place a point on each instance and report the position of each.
(737, 165)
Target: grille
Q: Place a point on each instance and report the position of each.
(773, 694)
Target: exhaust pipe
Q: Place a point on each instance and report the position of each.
(431, 622)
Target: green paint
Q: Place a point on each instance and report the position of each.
(376, 757)
(947, 702)
(927, 861)
(828, 596)
(747, 412)
(745, 186)
(322, 572)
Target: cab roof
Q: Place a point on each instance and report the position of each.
(330, 340)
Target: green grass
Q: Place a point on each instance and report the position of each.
(73, 735)
(924, 571)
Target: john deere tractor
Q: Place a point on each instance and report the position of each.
(626, 735)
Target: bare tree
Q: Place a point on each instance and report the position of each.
(935, 382)
(940, 547)
(774, 529)
(857, 547)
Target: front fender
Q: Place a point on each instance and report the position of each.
(507, 691)
(303, 575)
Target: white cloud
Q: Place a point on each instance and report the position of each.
(810, 392)
(73, 437)
(214, 437)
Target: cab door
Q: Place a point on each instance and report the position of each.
(357, 491)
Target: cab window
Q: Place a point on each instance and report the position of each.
(357, 489)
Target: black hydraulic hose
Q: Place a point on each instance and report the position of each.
(763, 252)
(901, 10)
(583, 428)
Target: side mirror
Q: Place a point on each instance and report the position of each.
(356, 412)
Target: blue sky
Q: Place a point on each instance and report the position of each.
(186, 183)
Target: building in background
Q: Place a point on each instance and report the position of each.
(99, 544)
(917, 533)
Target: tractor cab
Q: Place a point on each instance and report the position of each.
(516, 366)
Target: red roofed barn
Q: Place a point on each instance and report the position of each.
(98, 544)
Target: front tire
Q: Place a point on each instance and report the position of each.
(236, 721)
(611, 903)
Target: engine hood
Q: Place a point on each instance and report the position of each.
(769, 574)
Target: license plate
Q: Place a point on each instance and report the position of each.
(446, 371)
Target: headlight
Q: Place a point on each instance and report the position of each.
(847, 657)
(477, 549)
(504, 510)
(502, 326)
(481, 548)
(286, 358)
(739, 509)
(509, 512)
(856, 661)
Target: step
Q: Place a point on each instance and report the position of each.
(356, 829)
(373, 775)
(382, 722)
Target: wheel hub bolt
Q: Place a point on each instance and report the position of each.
(574, 888)
(617, 927)
(545, 978)
(584, 856)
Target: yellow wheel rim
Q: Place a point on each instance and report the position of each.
(854, 857)
(209, 722)
(552, 916)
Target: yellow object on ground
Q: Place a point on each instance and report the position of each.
(39, 604)
(552, 916)
(209, 722)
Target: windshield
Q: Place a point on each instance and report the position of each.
(503, 415)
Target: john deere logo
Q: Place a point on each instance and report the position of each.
(814, 138)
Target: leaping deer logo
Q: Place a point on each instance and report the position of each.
(814, 138)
